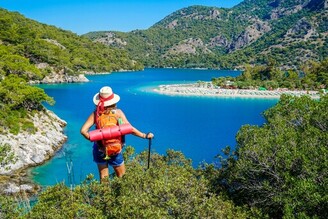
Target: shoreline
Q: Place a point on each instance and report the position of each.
(30, 150)
(207, 89)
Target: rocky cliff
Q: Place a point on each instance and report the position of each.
(31, 150)
(62, 78)
(58, 76)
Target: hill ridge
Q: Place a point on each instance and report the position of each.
(289, 31)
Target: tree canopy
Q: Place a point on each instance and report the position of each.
(17, 100)
(314, 76)
(282, 166)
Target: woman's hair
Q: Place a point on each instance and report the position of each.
(107, 109)
(111, 107)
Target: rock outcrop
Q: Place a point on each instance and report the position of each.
(62, 78)
(31, 149)
(58, 76)
(55, 78)
(189, 46)
(111, 39)
(219, 41)
(251, 34)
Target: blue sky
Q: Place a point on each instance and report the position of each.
(82, 16)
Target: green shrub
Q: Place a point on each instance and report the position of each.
(171, 188)
(282, 167)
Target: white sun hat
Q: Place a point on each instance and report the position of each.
(107, 96)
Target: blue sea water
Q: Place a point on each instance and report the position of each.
(200, 127)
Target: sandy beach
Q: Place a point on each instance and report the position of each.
(207, 89)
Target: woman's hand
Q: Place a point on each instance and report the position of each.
(149, 135)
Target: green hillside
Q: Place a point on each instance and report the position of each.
(32, 50)
(289, 31)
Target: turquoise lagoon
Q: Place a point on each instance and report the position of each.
(198, 126)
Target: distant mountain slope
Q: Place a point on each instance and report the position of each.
(33, 50)
(289, 31)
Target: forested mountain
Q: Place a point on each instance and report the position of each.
(288, 31)
(33, 50)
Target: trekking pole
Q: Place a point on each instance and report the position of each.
(149, 147)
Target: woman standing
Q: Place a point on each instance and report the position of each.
(107, 112)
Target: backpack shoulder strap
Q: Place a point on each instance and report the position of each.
(95, 113)
(120, 122)
(119, 118)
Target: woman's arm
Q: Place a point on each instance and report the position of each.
(135, 131)
(87, 125)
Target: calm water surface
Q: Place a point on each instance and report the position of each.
(198, 126)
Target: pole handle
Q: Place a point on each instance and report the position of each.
(149, 148)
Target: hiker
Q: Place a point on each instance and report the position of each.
(106, 110)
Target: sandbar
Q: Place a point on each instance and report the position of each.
(208, 89)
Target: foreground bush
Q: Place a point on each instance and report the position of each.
(171, 188)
